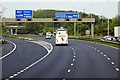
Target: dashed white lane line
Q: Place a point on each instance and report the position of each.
(108, 58)
(117, 69)
(74, 56)
(95, 49)
(112, 63)
(72, 64)
(21, 71)
(73, 59)
(15, 46)
(98, 50)
(74, 53)
(69, 71)
(73, 49)
(105, 55)
(101, 52)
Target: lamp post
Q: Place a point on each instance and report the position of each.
(92, 25)
(74, 25)
(83, 12)
(108, 27)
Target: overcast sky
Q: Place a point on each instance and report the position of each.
(106, 8)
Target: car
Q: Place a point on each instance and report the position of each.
(40, 34)
(118, 39)
(48, 35)
(110, 38)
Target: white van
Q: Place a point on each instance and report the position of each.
(61, 36)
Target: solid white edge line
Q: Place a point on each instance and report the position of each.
(49, 51)
(15, 46)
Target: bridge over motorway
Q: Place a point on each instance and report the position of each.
(47, 20)
(74, 20)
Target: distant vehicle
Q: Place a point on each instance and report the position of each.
(40, 34)
(110, 38)
(118, 39)
(117, 32)
(61, 36)
(48, 35)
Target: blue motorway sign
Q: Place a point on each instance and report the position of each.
(23, 14)
(66, 15)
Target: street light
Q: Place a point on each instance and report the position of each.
(108, 27)
(74, 24)
(92, 28)
(83, 12)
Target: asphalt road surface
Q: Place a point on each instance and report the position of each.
(77, 60)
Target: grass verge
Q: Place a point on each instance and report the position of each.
(15, 37)
(3, 42)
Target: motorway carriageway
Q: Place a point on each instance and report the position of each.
(77, 60)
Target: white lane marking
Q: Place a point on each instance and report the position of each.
(108, 58)
(10, 77)
(63, 79)
(105, 55)
(72, 64)
(98, 50)
(95, 49)
(49, 51)
(15, 75)
(92, 47)
(73, 49)
(15, 46)
(74, 53)
(117, 69)
(101, 52)
(68, 70)
(103, 45)
(112, 63)
(74, 56)
(73, 59)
